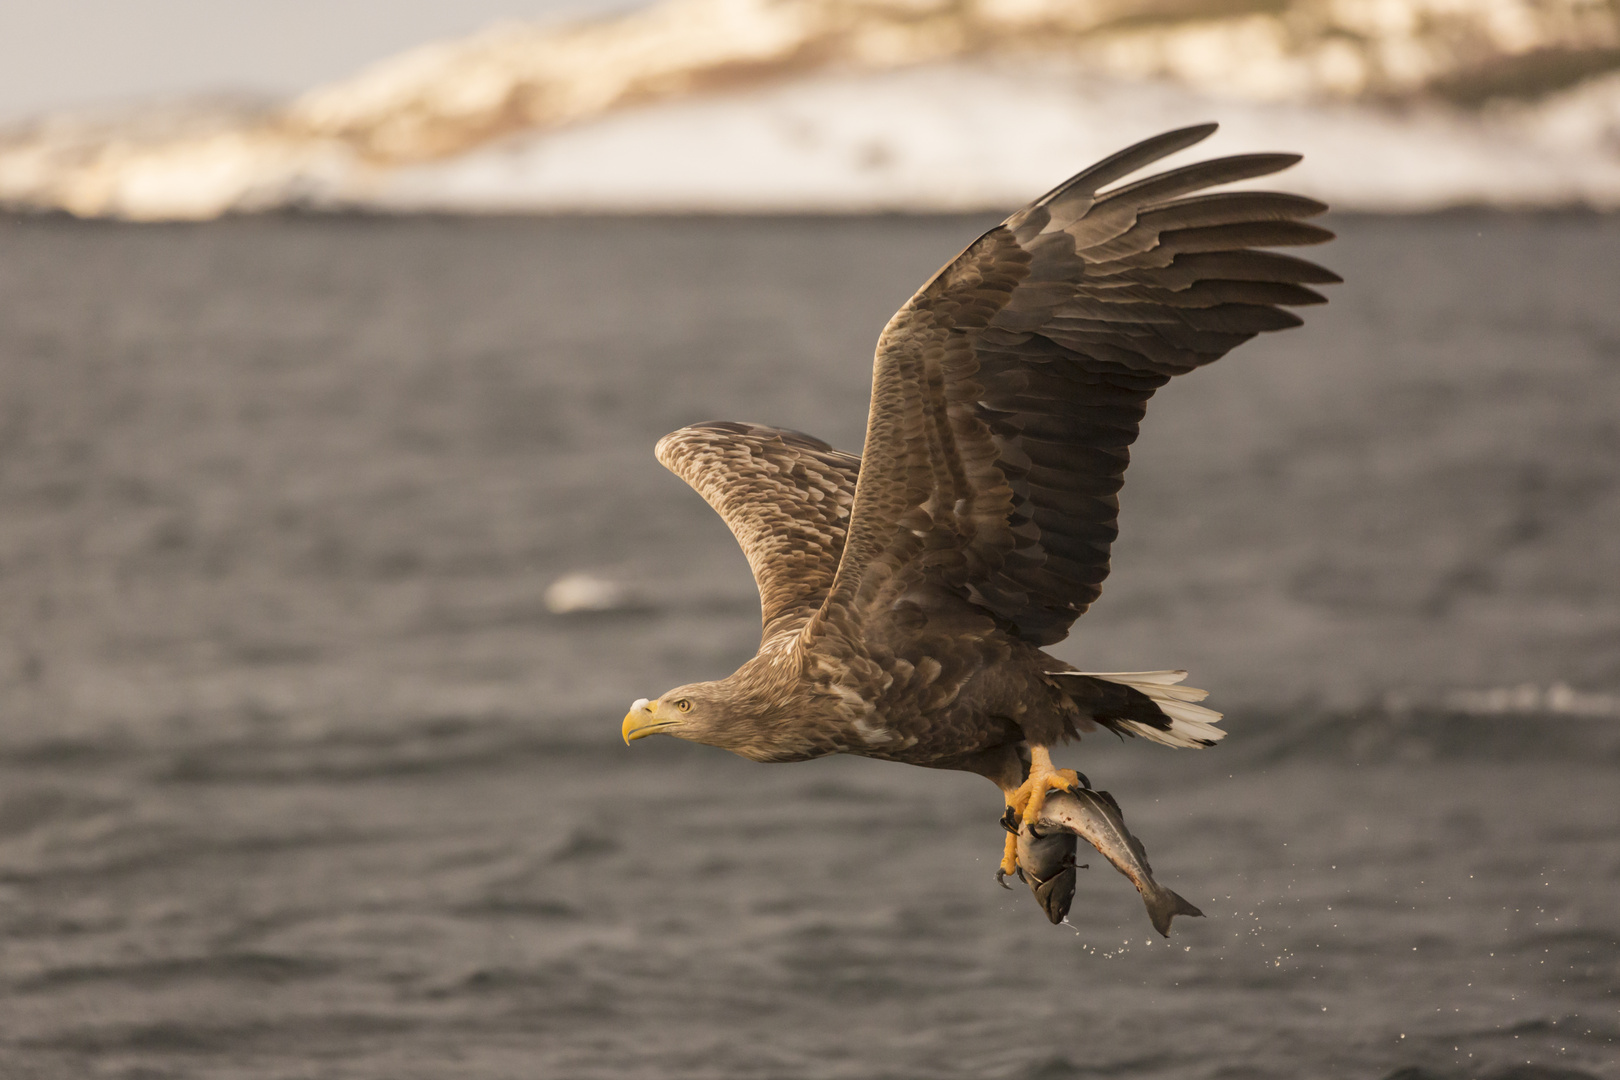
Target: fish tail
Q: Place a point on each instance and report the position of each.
(1163, 905)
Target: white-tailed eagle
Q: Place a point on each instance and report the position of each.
(907, 593)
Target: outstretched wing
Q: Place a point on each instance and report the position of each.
(786, 498)
(1007, 392)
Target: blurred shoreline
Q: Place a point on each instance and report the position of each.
(863, 105)
(968, 219)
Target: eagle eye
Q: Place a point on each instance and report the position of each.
(683, 705)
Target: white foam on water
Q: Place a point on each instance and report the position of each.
(581, 592)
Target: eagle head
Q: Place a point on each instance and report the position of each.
(695, 713)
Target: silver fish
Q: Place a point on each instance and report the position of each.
(1046, 853)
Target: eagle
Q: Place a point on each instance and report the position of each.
(907, 594)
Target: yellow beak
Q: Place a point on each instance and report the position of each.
(642, 721)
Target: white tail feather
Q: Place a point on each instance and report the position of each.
(1132, 678)
(1190, 725)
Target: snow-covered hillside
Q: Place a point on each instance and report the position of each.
(804, 105)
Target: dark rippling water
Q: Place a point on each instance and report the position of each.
(300, 778)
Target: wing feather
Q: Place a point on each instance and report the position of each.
(786, 498)
(1007, 392)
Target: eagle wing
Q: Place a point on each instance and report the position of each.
(786, 498)
(1007, 392)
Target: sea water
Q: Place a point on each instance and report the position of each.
(301, 775)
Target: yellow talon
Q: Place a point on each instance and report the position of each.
(1030, 799)
(1009, 861)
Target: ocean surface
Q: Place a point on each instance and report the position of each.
(301, 776)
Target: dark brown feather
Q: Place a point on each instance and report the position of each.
(905, 594)
(1008, 390)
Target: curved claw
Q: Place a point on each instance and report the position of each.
(1002, 876)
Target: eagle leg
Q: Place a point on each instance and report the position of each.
(1024, 804)
(1009, 862)
(1030, 798)
(1009, 855)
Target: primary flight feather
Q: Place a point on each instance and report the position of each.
(906, 593)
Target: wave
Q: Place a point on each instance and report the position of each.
(1526, 1071)
(436, 746)
(1439, 730)
(1536, 724)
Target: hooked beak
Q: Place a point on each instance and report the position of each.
(642, 721)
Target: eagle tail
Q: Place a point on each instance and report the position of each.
(1176, 720)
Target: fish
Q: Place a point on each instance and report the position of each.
(1046, 852)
